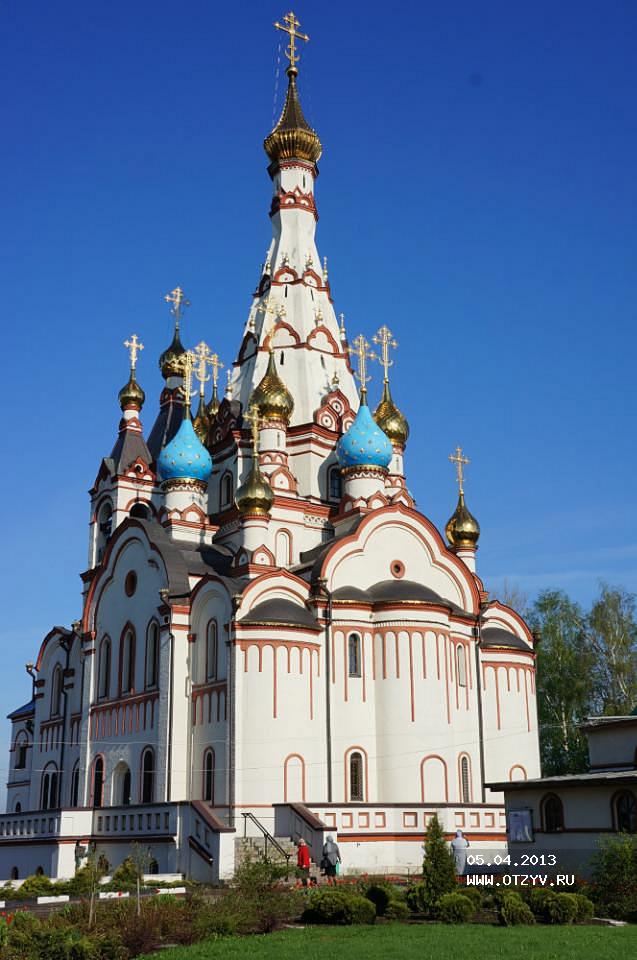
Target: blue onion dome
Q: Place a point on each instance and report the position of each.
(185, 457)
(364, 444)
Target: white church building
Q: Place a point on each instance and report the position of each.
(274, 639)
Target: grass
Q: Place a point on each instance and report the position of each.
(421, 942)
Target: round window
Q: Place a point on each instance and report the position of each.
(130, 583)
(397, 568)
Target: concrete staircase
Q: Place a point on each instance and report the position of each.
(256, 847)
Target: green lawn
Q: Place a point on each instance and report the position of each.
(421, 942)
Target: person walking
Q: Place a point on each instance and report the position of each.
(303, 861)
(331, 857)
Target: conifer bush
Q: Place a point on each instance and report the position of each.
(438, 868)
(454, 908)
(513, 911)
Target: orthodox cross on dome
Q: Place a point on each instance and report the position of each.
(289, 25)
(189, 359)
(385, 339)
(341, 329)
(216, 366)
(253, 418)
(460, 463)
(133, 346)
(178, 300)
(360, 348)
(276, 311)
(203, 359)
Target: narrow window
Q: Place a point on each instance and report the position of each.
(127, 663)
(282, 360)
(226, 491)
(126, 788)
(461, 666)
(75, 786)
(148, 776)
(286, 290)
(21, 756)
(98, 782)
(212, 651)
(18, 807)
(152, 655)
(15, 873)
(104, 670)
(53, 791)
(56, 692)
(335, 483)
(356, 777)
(209, 777)
(465, 784)
(626, 812)
(354, 655)
(44, 802)
(140, 511)
(553, 813)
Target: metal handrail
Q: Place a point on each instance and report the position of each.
(266, 834)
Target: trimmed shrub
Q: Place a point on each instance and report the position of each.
(414, 897)
(585, 908)
(339, 908)
(396, 910)
(125, 876)
(454, 908)
(474, 894)
(380, 893)
(560, 908)
(512, 910)
(537, 898)
(614, 888)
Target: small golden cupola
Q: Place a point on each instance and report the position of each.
(171, 362)
(271, 397)
(254, 497)
(292, 138)
(131, 396)
(387, 415)
(462, 530)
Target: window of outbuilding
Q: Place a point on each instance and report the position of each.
(552, 813)
(626, 812)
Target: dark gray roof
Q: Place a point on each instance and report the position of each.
(594, 723)
(396, 591)
(168, 421)
(497, 637)
(24, 711)
(128, 447)
(282, 612)
(570, 780)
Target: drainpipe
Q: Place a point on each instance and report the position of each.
(478, 635)
(164, 594)
(66, 643)
(328, 682)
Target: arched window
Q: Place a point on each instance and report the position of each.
(226, 491)
(148, 776)
(461, 664)
(98, 782)
(354, 655)
(75, 786)
(152, 655)
(122, 785)
(334, 483)
(104, 529)
(56, 692)
(356, 789)
(140, 511)
(153, 866)
(465, 780)
(552, 813)
(18, 807)
(15, 873)
(212, 650)
(209, 776)
(39, 871)
(127, 662)
(49, 789)
(282, 549)
(104, 670)
(20, 752)
(626, 812)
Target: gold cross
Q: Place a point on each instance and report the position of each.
(460, 463)
(385, 339)
(291, 23)
(216, 365)
(134, 346)
(360, 349)
(318, 314)
(188, 361)
(253, 418)
(178, 300)
(203, 356)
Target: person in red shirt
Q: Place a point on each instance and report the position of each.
(303, 861)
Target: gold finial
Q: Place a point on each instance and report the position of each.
(324, 269)
(385, 339)
(201, 362)
(133, 346)
(460, 462)
(318, 314)
(289, 25)
(342, 327)
(178, 300)
(276, 311)
(335, 380)
(188, 362)
(229, 384)
(309, 262)
(254, 419)
(360, 349)
(216, 366)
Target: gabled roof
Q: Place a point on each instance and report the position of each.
(28, 709)
(129, 446)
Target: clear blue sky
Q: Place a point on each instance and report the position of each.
(477, 193)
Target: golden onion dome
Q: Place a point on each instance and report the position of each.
(293, 137)
(390, 420)
(131, 394)
(462, 530)
(254, 497)
(213, 407)
(171, 361)
(271, 396)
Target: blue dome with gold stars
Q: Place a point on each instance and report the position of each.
(364, 444)
(185, 457)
